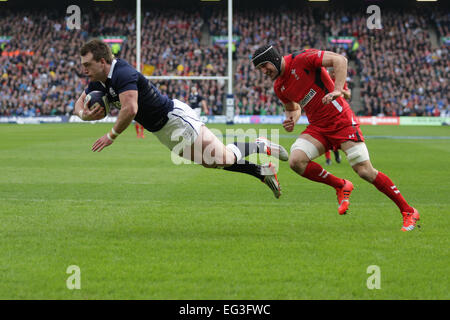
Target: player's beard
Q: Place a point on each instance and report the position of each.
(273, 75)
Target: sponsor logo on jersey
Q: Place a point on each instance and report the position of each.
(112, 92)
(307, 98)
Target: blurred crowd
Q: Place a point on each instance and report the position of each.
(395, 69)
(289, 31)
(39, 67)
(400, 73)
(40, 71)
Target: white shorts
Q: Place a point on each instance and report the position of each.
(182, 128)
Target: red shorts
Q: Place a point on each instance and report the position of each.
(332, 134)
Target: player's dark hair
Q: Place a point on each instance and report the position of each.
(99, 50)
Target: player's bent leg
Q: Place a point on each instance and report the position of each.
(298, 161)
(214, 154)
(271, 179)
(270, 148)
(358, 157)
(365, 170)
(312, 147)
(261, 145)
(210, 152)
(303, 151)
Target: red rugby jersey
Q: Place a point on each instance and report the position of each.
(306, 82)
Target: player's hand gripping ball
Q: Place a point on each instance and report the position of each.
(97, 98)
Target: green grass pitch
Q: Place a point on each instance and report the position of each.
(140, 227)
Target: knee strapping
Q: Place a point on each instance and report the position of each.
(307, 147)
(357, 154)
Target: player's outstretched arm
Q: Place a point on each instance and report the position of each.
(129, 101)
(82, 111)
(339, 64)
(293, 113)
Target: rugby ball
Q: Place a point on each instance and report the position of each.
(95, 98)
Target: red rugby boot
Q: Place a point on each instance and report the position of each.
(410, 220)
(343, 196)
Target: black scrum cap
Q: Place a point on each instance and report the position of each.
(267, 53)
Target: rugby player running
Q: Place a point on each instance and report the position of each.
(302, 82)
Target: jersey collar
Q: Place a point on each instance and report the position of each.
(112, 68)
(287, 69)
(287, 65)
(113, 63)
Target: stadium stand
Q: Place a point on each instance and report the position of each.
(400, 73)
(397, 70)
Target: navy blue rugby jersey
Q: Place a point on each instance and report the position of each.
(194, 100)
(153, 107)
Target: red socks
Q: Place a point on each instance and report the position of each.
(139, 130)
(315, 172)
(328, 155)
(385, 185)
